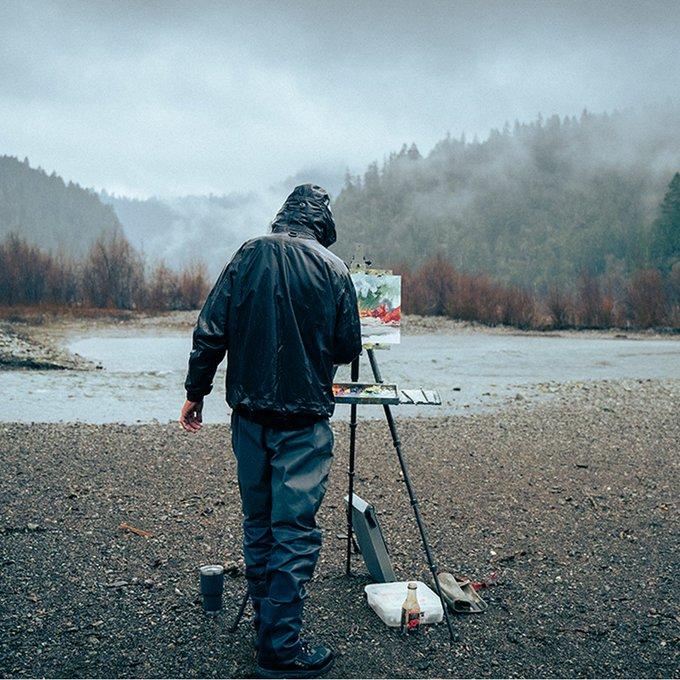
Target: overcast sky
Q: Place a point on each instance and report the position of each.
(169, 98)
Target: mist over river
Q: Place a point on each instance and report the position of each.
(143, 373)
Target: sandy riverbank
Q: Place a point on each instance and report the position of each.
(413, 324)
(573, 504)
(22, 347)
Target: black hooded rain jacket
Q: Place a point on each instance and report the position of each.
(285, 310)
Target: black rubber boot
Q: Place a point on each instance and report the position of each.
(309, 663)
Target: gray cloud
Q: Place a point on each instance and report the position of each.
(174, 97)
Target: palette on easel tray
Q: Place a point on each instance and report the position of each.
(365, 393)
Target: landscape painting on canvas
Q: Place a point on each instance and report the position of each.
(379, 298)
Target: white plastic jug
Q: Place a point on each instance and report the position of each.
(386, 600)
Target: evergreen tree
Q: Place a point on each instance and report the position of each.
(665, 237)
(413, 153)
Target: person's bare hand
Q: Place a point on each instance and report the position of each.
(191, 416)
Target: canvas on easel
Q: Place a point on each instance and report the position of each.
(379, 299)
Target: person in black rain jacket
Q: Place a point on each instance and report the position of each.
(284, 311)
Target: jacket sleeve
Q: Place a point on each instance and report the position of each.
(347, 336)
(211, 336)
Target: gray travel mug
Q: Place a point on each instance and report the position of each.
(212, 585)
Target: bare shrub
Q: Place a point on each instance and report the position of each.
(162, 289)
(62, 280)
(647, 299)
(29, 276)
(560, 306)
(518, 308)
(431, 287)
(438, 289)
(588, 303)
(193, 286)
(113, 274)
(22, 268)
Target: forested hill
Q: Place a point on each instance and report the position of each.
(532, 204)
(46, 211)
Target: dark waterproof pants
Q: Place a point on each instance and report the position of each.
(282, 477)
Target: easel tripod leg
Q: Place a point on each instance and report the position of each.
(350, 468)
(241, 609)
(412, 496)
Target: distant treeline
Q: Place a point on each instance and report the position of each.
(534, 204)
(644, 300)
(112, 275)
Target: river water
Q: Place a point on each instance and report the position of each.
(143, 373)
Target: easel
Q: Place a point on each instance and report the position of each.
(360, 265)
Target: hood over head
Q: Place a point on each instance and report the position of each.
(307, 211)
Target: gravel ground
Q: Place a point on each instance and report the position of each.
(572, 504)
